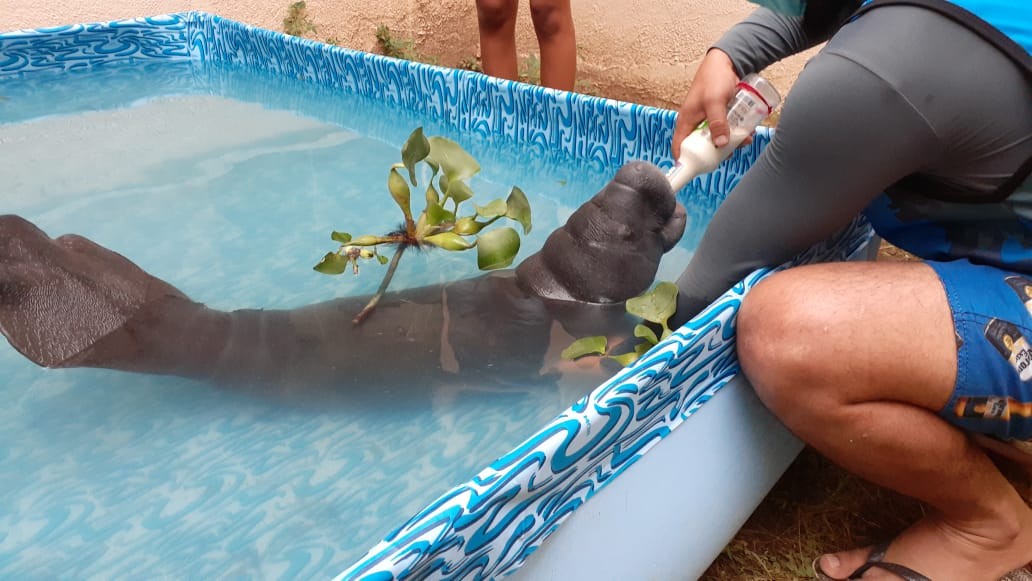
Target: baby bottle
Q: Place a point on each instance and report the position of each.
(755, 100)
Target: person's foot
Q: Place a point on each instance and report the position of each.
(945, 551)
(1016, 451)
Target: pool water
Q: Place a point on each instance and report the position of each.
(227, 184)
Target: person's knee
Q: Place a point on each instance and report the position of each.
(780, 334)
(495, 15)
(551, 17)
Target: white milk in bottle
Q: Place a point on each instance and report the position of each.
(755, 100)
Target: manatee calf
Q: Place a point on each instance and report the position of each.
(68, 302)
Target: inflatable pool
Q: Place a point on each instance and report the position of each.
(212, 154)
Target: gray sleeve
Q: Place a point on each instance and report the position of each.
(764, 38)
(845, 135)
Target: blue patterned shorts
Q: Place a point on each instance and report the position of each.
(992, 315)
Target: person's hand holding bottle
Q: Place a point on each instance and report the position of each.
(713, 87)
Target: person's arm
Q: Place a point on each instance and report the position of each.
(845, 136)
(750, 46)
(766, 37)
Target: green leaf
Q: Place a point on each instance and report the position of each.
(342, 237)
(453, 160)
(381, 258)
(432, 197)
(656, 305)
(518, 208)
(442, 184)
(643, 347)
(492, 210)
(497, 248)
(459, 191)
(625, 359)
(435, 214)
(332, 263)
(585, 346)
(468, 226)
(646, 332)
(415, 150)
(400, 192)
(449, 241)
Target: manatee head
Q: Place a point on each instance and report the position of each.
(610, 248)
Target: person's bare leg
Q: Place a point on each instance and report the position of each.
(857, 359)
(553, 24)
(497, 22)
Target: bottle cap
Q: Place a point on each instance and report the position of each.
(763, 89)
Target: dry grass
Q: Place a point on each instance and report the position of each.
(817, 507)
(814, 508)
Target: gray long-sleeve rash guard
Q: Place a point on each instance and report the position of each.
(899, 92)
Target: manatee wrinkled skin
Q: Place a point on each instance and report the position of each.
(610, 248)
(69, 302)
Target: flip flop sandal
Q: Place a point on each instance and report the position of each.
(874, 561)
(1022, 574)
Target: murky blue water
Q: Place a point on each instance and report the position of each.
(227, 185)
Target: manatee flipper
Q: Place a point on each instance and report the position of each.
(60, 297)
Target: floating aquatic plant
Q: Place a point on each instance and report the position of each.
(654, 306)
(441, 224)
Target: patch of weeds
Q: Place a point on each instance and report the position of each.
(471, 63)
(400, 48)
(297, 22)
(530, 73)
(530, 70)
(585, 87)
(334, 41)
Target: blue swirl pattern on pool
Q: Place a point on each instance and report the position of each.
(484, 528)
(604, 131)
(81, 46)
(487, 527)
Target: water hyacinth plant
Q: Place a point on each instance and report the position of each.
(441, 223)
(654, 306)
